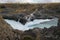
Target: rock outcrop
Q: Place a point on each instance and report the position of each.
(31, 34)
(59, 22)
(7, 32)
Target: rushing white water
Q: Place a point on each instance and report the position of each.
(32, 24)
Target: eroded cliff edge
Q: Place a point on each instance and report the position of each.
(7, 32)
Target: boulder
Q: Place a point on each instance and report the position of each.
(11, 17)
(23, 21)
(59, 22)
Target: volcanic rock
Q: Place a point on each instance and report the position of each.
(7, 32)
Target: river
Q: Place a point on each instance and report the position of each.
(40, 23)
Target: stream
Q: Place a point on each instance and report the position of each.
(39, 23)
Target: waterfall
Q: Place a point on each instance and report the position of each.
(31, 15)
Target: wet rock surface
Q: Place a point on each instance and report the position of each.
(59, 22)
(23, 18)
(23, 21)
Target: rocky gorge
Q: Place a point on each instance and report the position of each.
(43, 11)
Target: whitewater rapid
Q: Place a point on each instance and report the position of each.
(41, 23)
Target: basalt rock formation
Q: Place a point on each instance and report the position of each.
(51, 33)
(59, 22)
(31, 34)
(23, 18)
